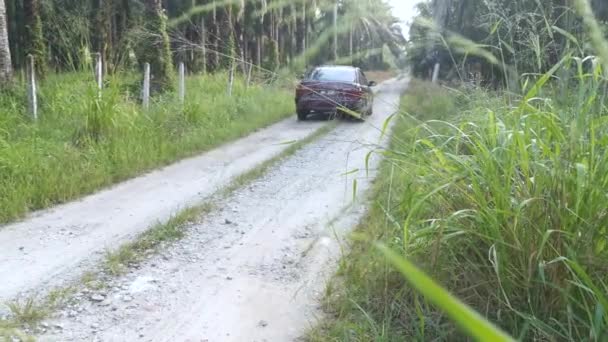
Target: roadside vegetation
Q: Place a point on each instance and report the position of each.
(494, 185)
(82, 142)
(504, 206)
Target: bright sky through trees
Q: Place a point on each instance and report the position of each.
(404, 10)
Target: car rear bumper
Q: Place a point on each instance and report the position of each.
(327, 105)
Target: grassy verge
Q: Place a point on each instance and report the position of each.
(82, 143)
(501, 203)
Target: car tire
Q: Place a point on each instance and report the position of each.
(371, 109)
(302, 115)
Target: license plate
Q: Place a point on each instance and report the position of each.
(327, 92)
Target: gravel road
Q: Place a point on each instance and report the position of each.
(252, 270)
(53, 247)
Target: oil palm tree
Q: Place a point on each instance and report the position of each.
(6, 68)
(372, 26)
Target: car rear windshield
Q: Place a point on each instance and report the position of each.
(333, 75)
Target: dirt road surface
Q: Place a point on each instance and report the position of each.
(253, 270)
(54, 247)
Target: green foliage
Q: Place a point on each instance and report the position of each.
(27, 312)
(82, 143)
(503, 205)
(468, 319)
(64, 33)
(516, 37)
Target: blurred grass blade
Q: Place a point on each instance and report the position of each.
(385, 124)
(469, 320)
(367, 157)
(594, 29)
(588, 282)
(566, 34)
(351, 172)
(543, 80)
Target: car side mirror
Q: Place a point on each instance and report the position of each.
(372, 84)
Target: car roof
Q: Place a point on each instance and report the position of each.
(336, 67)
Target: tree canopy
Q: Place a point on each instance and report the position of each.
(205, 34)
(496, 38)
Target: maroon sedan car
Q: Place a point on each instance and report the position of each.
(334, 89)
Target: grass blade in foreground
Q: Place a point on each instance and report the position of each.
(469, 320)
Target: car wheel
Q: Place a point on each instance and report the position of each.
(302, 115)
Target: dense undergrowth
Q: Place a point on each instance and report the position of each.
(82, 143)
(502, 201)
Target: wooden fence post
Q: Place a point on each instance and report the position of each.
(98, 71)
(31, 87)
(182, 82)
(203, 43)
(146, 87)
(231, 79)
(435, 76)
(249, 74)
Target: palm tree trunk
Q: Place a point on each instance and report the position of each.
(216, 45)
(158, 47)
(6, 68)
(103, 32)
(293, 28)
(203, 46)
(304, 30)
(335, 18)
(259, 41)
(229, 38)
(238, 29)
(440, 12)
(122, 27)
(350, 44)
(34, 41)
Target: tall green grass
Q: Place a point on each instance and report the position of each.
(505, 205)
(82, 143)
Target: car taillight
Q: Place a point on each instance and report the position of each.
(356, 93)
(302, 90)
